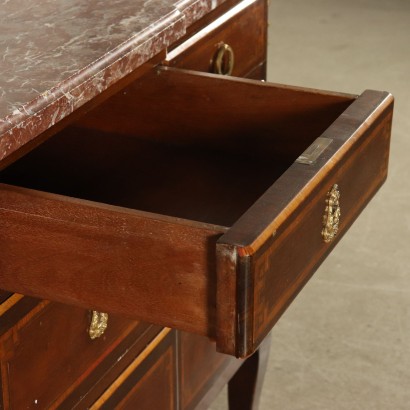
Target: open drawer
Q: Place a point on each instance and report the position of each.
(193, 201)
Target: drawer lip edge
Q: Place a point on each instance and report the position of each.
(178, 73)
(108, 208)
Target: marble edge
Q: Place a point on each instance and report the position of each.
(36, 116)
(195, 9)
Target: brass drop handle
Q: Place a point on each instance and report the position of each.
(224, 60)
(98, 324)
(331, 217)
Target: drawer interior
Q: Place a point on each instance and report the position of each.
(193, 182)
(190, 154)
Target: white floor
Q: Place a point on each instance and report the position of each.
(345, 341)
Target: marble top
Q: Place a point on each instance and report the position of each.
(55, 55)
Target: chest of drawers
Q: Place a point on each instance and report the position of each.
(148, 187)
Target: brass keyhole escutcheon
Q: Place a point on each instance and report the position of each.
(99, 322)
(331, 217)
(224, 60)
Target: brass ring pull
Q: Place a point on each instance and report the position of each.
(331, 217)
(224, 60)
(99, 322)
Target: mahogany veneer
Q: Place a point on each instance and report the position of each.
(171, 197)
(250, 233)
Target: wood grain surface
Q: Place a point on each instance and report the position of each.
(276, 246)
(106, 258)
(223, 160)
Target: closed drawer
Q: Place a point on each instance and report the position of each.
(185, 201)
(201, 370)
(234, 43)
(149, 382)
(48, 357)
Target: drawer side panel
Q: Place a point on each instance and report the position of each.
(108, 258)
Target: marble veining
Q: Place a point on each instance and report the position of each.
(55, 55)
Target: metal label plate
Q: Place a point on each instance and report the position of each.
(312, 153)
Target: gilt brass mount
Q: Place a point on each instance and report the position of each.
(99, 322)
(331, 217)
(224, 60)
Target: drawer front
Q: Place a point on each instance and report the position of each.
(201, 368)
(279, 243)
(51, 354)
(221, 258)
(149, 382)
(243, 29)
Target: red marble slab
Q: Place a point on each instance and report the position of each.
(55, 55)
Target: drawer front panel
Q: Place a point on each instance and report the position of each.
(149, 382)
(243, 28)
(200, 368)
(284, 265)
(274, 266)
(52, 354)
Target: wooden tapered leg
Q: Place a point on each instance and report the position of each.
(245, 387)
